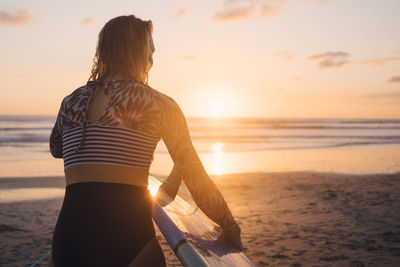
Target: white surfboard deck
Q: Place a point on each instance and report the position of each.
(200, 231)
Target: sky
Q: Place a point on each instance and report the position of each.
(217, 58)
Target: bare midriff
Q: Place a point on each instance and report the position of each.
(106, 174)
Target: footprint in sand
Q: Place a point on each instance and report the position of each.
(10, 228)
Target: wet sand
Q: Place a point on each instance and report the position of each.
(287, 219)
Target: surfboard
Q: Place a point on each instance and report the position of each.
(192, 236)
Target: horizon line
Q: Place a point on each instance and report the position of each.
(240, 117)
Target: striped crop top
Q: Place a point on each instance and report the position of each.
(108, 145)
(126, 134)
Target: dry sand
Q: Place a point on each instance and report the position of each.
(287, 219)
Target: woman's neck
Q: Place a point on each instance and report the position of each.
(115, 77)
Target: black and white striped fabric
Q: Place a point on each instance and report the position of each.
(108, 145)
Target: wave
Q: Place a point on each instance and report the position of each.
(225, 138)
(260, 121)
(232, 147)
(263, 138)
(24, 128)
(206, 127)
(238, 134)
(239, 146)
(317, 127)
(10, 123)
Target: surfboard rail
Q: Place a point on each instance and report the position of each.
(188, 256)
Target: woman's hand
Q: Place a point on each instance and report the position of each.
(166, 193)
(163, 198)
(232, 235)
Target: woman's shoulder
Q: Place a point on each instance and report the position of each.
(77, 94)
(145, 91)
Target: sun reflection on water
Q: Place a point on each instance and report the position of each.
(217, 157)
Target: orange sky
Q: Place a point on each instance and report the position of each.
(248, 58)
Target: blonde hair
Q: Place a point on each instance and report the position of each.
(123, 48)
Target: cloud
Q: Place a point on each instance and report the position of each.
(189, 57)
(271, 8)
(20, 17)
(239, 10)
(284, 55)
(88, 21)
(234, 13)
(379, 61)
(394, 79)
(180, 13)
(318, 1)
(331, 59)
(389, 97)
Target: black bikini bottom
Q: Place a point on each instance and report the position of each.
(102, 224)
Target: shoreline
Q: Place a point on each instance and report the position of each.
(6, 179)
(291, 218)
(367, 159)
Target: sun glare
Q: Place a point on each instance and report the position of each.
(217, 154)
(153, 188)
(217, 108)
(217, 101)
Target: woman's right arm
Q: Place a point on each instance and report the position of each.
(56, 136)
(169, 188)
(187, 165)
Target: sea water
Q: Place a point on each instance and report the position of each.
(232, 145)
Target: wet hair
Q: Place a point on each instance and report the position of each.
(123, 49)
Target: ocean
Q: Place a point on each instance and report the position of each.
(231, 145)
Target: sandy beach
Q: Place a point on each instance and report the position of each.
(287, 219)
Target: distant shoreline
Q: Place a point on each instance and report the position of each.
(237, 117)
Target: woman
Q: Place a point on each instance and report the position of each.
(106, 132)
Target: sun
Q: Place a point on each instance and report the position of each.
(217, 108)
(216, 101)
